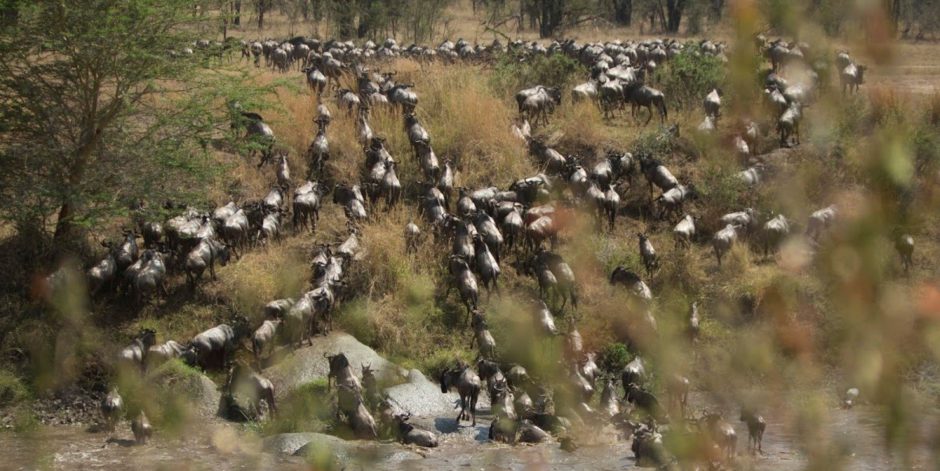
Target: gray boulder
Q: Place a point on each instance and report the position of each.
(308, 364)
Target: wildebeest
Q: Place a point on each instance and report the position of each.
(150, 278)
(259, 135)
(341, 372)
(412, 237)
(724, 240)
(789, 124)
(657, 174)
(468, 385)
(214, 347)
(402, 95)
(820, 220)
(684, 231)
(264, 337)
(411, 435)
(352, 406)
(249, 390)
(486, 345)
(318, 153)
(104, 273)
(609, 404)
(722, 434)
(127, 252)
(545, 320)
(135, 354)
(306, 205)
(850, 398)
(315, 80)
(904, 244)
(695, 321)
(648, 253)
(235, 231)
(852, 75)
(159, 354)
(486, 264)
(649, 98)
(634, 372)
(775, 230)
(112, 406)
(538, 102)
(643, 400)
(141, 428)
(746, 220)
(712, 103)
(622, 276)
(677, 390)
(755, 429)
(466, 282)
(350, 197)
(205, 255)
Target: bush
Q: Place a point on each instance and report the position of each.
(689, 76)
(614, 357)
(12, 389)
(512, 74)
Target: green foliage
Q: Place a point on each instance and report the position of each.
(654, 143)
(106, 126)
(307, 409)
(689, 76)
(12, 390)
(614, 357)
(510, 74)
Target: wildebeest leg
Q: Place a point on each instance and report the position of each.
(473, 407)
(650, 117)
(463, 407)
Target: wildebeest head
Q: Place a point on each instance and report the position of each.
(337, 362)
(225, 254)
(188, 355)
(367, 372)
(240, 325)
(148, 337)
(443, 379)
(487, 368)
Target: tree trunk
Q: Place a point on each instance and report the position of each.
(674, 15)
(65, 228)
(896, 15)
(718, 7)
(237, 19)
(365, 19)
(260, 16)
(550, 18)
(623, 12)
(661, 13)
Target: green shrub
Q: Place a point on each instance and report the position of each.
(689, 76)
(511, 74)
(308, 409)
(614, 357)
(12, 389)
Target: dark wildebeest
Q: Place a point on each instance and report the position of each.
(755, 429)
(468, 386)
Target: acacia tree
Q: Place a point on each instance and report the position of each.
(98, 111)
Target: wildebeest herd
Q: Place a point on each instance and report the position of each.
(483, 229)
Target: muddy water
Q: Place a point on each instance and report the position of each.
(218, 446)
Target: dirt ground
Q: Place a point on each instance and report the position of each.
(915, 69)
